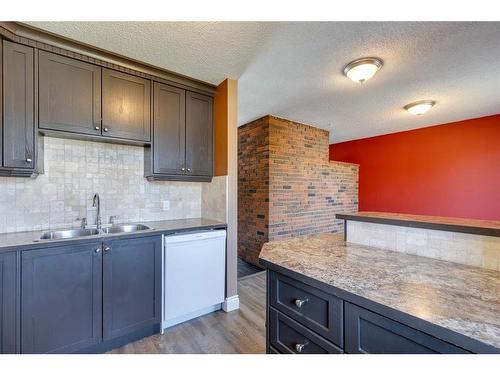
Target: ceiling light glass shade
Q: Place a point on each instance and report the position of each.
(419, 108)
(363, 69)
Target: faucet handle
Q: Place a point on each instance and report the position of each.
(83, 222)
(112, 219)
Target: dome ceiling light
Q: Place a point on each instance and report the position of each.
(420, 107)
(362, 70)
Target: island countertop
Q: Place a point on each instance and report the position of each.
(472, 226)
(456, 297)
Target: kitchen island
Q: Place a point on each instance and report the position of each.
(329, 296)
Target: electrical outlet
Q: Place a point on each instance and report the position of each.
(166, 205)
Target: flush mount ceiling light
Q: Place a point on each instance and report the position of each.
(362, 70)
(420, 107)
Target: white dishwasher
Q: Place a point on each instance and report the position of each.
(194, 275)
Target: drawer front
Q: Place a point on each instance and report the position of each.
(288, 336)
(273, 350)
(367, 332)
(315, 309)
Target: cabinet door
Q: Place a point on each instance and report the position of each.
(132, 285)
(61, 299)
(199, 134)
(18, 106)
(367, 332)
(69, 94)
(8, 298)
(126, 106)
(169, 131)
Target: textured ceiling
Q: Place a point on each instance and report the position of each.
(209, 51)
(293, 70)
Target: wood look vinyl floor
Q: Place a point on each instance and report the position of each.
(241, 331)
(246, 269)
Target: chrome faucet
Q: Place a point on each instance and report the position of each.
(96, 202)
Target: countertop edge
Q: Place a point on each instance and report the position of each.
(440, 332)
(492, 232)
(103, 237)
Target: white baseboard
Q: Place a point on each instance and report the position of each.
(195, 314)
(231, 303)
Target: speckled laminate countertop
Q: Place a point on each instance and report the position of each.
(27, 240)
(460, 298)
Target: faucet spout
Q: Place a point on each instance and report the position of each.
(96, 202)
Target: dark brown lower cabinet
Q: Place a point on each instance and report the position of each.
(288, 336)
(131, 285)
(61, 298)
(86, 297)
(307, 319)
(8, 303)
(371, 333)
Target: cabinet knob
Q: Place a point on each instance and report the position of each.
(189, 169)
(98, 250)
(300, 302)
(28, 160)
(97, 128)
(106, 129)
(300, 347)
(183, 169)
(107, 248)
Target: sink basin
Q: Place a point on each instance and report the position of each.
(69, 233)
(126, 228)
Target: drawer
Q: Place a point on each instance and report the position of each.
(288, 336)
(273, 350)
(368, 332)
(315, 309)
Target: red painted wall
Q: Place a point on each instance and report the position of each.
(446, 170)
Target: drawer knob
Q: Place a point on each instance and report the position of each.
(300, 302)
(300, 347)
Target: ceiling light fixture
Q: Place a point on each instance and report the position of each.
(362, 70)
(420, 107)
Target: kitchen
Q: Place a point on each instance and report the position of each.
(136, 185)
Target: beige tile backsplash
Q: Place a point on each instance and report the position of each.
(463, 248)
(213, 199)
(74, 171)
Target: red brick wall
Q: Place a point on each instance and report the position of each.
(287, 185)
(253, 188)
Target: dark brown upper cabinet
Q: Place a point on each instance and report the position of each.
(199, 134)
(182, 136)
(52, 87)
(169, 131)
(69, 95)
(18, 110)
(126, 106)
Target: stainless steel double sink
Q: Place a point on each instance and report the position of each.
(75, 233)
